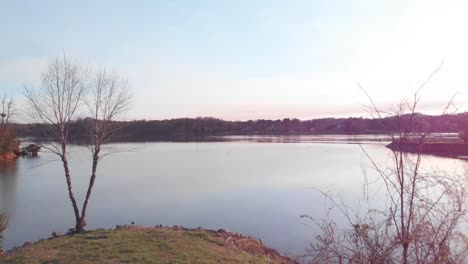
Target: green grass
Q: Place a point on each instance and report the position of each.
(134, 245)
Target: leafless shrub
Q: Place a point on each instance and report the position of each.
(8, 141)
(6, 113)
(422, 222)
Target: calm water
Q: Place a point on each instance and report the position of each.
(258, 189)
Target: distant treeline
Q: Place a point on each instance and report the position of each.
(202, 128)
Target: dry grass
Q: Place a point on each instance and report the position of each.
(136, 245)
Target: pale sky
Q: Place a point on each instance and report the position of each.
(247, 59)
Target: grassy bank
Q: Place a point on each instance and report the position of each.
(147, 245)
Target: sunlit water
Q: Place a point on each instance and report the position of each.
(258, 189)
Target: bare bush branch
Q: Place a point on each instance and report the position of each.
(425, 208)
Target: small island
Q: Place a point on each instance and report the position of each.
(452, 148)
(10, 148)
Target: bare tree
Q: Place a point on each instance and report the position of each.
(65, 89)
(108, 98)
(9, 145)
(424, 208)
(6, 114)
(56, 102)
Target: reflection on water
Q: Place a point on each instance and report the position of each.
(8, 167)
(339, 139)
(3, 223)
(8, 170)
(258, 189)
(8, 178)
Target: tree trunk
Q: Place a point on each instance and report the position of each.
(82, 223)
(405, 254)
(70, 191)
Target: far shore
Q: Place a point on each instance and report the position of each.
(274, 138)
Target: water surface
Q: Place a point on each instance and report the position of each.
(258, 189)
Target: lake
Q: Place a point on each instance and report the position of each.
(256, 187)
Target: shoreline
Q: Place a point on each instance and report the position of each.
(148, 239)
(442, 149)
(8, 157)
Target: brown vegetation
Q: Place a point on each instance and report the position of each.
(424, 214)
(9, 145)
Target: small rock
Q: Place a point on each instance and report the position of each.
(26, 244)
(56, 234)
